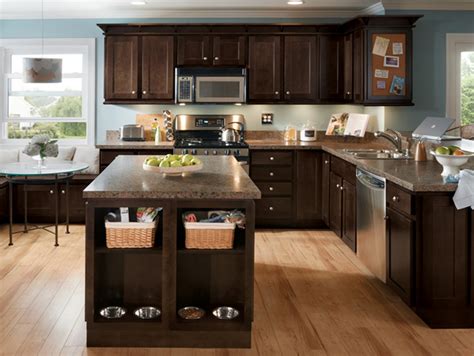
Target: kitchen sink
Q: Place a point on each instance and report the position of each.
(376, 154)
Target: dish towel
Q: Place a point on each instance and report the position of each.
(464, 196)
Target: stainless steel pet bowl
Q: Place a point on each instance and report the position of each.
(147, 313)
(225, 313)
(113, 312)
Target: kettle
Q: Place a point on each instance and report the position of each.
(229, 134)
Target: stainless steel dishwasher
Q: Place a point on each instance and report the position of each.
(371, 239)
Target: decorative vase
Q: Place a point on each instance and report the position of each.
(40, 161)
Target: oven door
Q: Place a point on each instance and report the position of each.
(209, 89)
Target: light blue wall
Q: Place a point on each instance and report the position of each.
(429, 67)
(429, 73)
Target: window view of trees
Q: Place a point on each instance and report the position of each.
(467, 88)
(45, 106)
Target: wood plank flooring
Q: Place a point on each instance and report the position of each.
(312, 297)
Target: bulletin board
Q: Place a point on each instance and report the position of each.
(389, 70)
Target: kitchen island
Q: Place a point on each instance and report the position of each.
(168, 276)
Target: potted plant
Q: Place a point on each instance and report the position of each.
(40, 147)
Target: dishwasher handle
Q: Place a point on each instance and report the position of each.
(370, 181)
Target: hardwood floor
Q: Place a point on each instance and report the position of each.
(312, 297)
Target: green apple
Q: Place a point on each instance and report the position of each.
(195, 161)
(186, 160)
(153, 162)
(176, 164)
(453, 149)
(174, 157)
(165, 163)
(442, 150)
(151, 158)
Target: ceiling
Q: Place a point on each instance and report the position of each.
(28, 9)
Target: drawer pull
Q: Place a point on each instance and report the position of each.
(205, 58)
(216, 58)
(271, 189)
(51, 192)
(144, 92)
(395, 198)
(272, 158)
(277, 92)
(338, 185)
(272, 174)
(287, 92)
(63, 192)
(270, 208)
(133, 91)
(326, 162)
(341, 188)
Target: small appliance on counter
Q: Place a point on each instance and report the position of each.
(307, 133)
(132, 133)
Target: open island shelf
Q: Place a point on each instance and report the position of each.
(169, 276)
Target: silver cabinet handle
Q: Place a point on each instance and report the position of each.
(272, 174)
(348, 93)
(216, 58)
(204, 58)
(396, 198)
(270, 208)
(51, 192)
(271, 189)
(338, 185)
(277, 92)
(144, 92)
(63, 192)
(287, 92)
(272, 158)
(341, 188)
(133, 91)
(326, 162)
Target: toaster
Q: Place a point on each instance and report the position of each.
(132, 133)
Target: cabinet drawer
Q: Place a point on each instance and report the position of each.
(272, 208)
(275, 158)
(277, 188)
(270, 173)
(399, 199)
(344, 169)
(106, 157)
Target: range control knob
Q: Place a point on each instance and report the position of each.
(226, 152)
(193, 152)
(185, 151)
(206, 152)
(214, 152)
(237, 152)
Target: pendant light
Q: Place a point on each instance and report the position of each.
(42, 70)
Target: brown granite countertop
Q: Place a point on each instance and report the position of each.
(126, 145)
(222, 177)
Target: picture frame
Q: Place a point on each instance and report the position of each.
(391, 61)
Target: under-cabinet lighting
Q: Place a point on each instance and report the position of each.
(182, 104)
(138, 3)
(238, 104)
(295, 2)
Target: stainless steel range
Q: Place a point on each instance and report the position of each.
(203, 135)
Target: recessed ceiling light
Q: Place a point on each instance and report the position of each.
(138, 3)
(295, 2)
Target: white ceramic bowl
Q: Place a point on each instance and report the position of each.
(451, 163)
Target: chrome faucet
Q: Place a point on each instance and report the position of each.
(394, 137)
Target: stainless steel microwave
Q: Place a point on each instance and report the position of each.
(211, 85)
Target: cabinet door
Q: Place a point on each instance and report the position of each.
(349, 207)
(264, 68)
(157, 67)
(229, 51)
(193, 50)
(3, 203)
(348, 67)
(121, 67)
(358, 71)
(335, 208)
(300, 69)
(308, 187)
(331, 68)
(400, 247)
(325, 183)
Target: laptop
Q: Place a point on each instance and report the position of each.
(433, 128)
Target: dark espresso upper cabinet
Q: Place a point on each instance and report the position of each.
(300, 62)
(358, 66)
(264, 68)
(225, 50)
(121, 67)
(194, 50)
(157, 67)
(229, 50)
(348, 67)
(331, 68)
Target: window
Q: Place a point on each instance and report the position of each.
(460, 78)
(66, 110)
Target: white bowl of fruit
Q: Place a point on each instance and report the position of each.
(172, 164)
(451, 158)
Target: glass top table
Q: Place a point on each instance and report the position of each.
(52, 173)
(27, 169)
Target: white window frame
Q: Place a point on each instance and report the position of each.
(86, 46)
(455, 44)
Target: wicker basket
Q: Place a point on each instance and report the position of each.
(130, 235)
(217, 236)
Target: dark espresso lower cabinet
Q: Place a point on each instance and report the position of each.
(3, 202)
(335, 206)
(400, 249)
(349, 206)
(325, 183)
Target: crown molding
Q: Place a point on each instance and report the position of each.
(429, 5)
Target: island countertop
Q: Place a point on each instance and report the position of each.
(222, 177)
